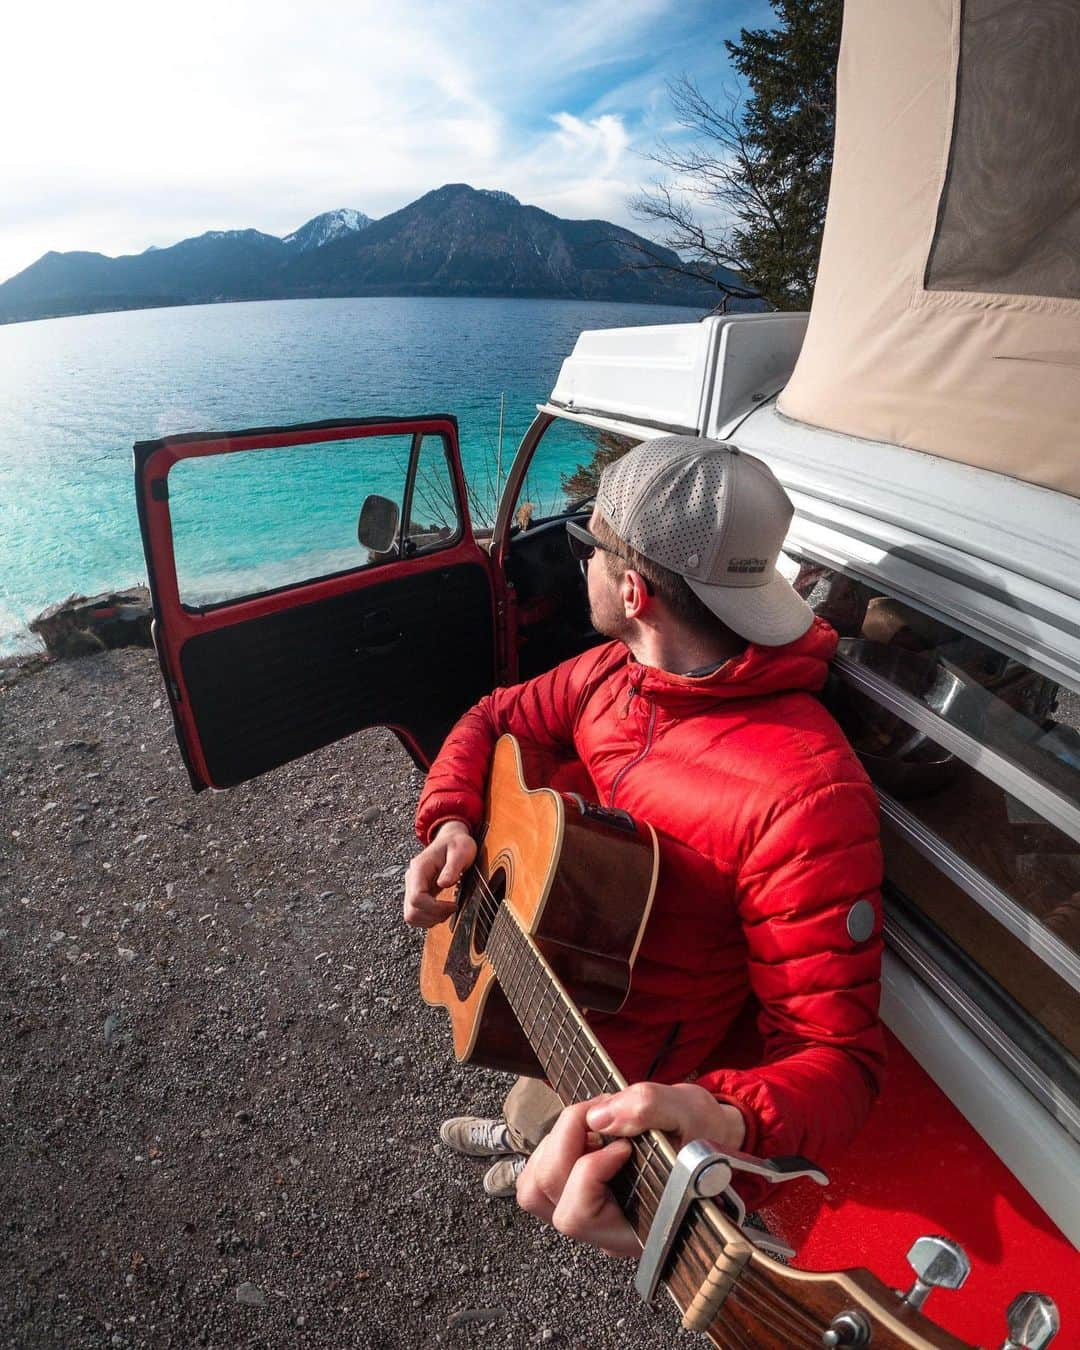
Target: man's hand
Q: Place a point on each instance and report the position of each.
(439, 865)
(565, 1180)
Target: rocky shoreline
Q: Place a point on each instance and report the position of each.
(220, 1089)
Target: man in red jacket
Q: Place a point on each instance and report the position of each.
(699, 717)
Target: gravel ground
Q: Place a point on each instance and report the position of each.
(220, 1089)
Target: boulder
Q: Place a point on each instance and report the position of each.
(82, 625)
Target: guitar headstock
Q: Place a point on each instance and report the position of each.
(849, 1308)
(719, 1273)
(776, 1306)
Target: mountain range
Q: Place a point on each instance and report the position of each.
(456, 240)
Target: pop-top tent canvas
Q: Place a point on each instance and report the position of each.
(946, 315)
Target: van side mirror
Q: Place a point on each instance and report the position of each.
(378, 524)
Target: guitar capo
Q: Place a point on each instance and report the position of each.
(704, 1171)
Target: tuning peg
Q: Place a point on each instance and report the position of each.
(938, 1263)
(1033, 1322)
(847, 1331)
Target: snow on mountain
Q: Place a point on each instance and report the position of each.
(322, 229)
(498, 196)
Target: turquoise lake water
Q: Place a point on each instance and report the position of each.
(76, 393)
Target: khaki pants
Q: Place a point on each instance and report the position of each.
(530, 1110)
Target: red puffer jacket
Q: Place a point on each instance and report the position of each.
(768, 836)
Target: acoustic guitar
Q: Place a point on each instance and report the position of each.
(547, 923)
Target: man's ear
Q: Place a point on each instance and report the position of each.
(635, 594)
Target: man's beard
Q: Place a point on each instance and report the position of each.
(608, 618)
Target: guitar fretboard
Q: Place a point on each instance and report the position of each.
(574, 1062)
(577, 1067)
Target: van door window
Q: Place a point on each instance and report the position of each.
(245, 524)
(434, 520)
(551, 613)
(564, 471)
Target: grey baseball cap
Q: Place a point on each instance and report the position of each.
(718, 518)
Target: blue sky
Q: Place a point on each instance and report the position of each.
(129, 124)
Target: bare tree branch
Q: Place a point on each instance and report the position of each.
(758, 169)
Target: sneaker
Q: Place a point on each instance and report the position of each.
(500, 1181)
(476, 1137)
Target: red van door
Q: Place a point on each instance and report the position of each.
(312, 580)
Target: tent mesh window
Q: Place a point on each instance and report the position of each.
(1009, 216)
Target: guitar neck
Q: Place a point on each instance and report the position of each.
(574, 1061)
(578, 1067)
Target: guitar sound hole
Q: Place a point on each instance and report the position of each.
(486, 904)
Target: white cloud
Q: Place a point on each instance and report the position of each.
(580, 168)
(603, 136)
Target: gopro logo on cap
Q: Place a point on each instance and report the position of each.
(747, 565)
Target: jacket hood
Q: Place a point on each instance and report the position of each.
(799, 665)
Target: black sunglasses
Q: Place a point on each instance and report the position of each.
(583, 544)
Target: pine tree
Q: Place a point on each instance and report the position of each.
(761, 165)
(790, 122)
(581, 483)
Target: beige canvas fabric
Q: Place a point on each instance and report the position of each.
(938, 322)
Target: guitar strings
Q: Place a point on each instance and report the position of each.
(690, 1267)
(762, 1302)
(762, 1305)
(648, 1165)
(689, 1240)
(763, 1295)
(517, 954)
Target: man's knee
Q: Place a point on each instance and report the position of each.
(530, 1110)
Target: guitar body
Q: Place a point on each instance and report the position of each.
(578, 879)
